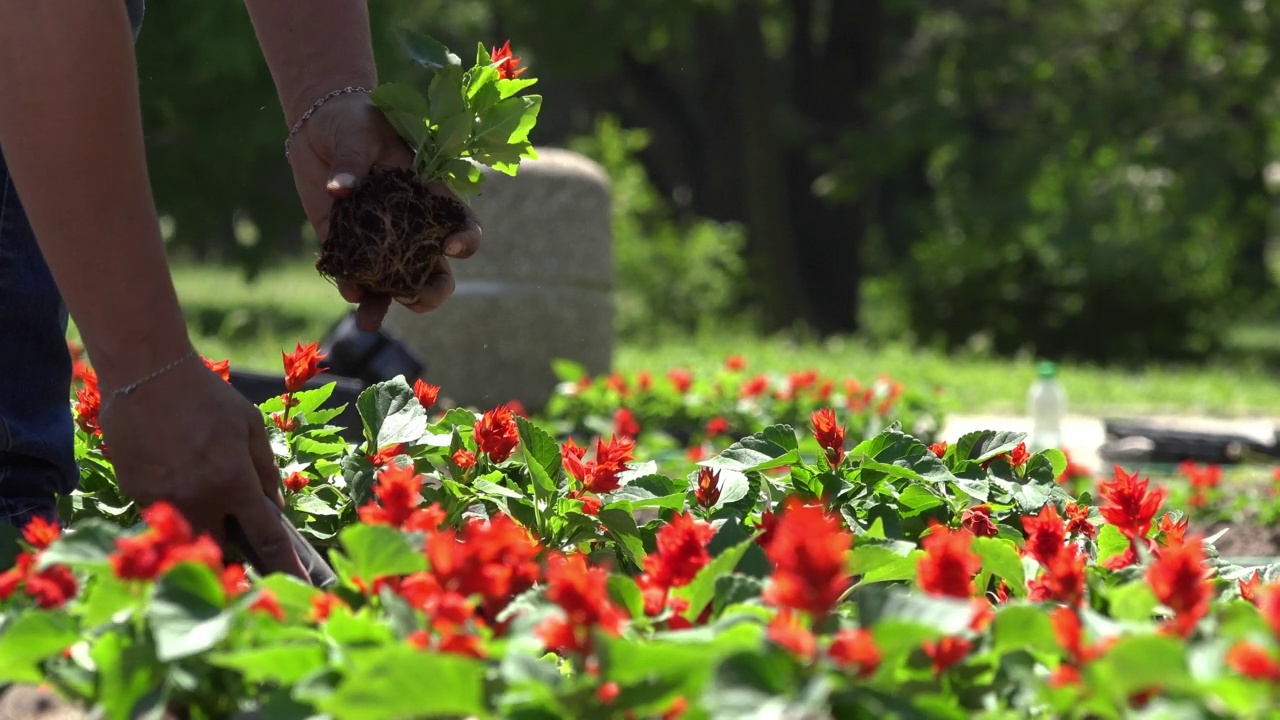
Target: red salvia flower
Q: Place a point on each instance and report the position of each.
(1078, 521)
(582, 593)
(464, 458)
(717, 426)
(618, 384)
(939, 448)
(295, 482)
(735, 363)
(601, 474)
(1129, 505)
(977, 520)
(496, 433)
(1063, 580)
(222, 368)
(235, 582)
(681, 551)
(268, 604)
(508, 66)
(1180, 581)
(1268, 602)
(1253, 662)
(830, 436)
(680, 379)
(40, 533)
(946, 652)
(88, 403)
(426, 393)
(608, 692)
(385, 455)
(11, 579)
(1173, 532)
(167, 541)
(301, 365)
(1046, 534)
(1249, 588)
(765, 531)
(855, 651)
(754, 387)
(322, 606)
(52, 587)
(1123, 560)
(285, 424)
(808, 550)
(398, 490)
(949, 563)
(625, 423)
(786, 630)
(1019, 456)
(707, 491)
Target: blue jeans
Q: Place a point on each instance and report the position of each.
(37, 437)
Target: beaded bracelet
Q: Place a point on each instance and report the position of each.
(316, 106)
(128, 389)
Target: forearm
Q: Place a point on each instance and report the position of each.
(313, 47)
(71, 133)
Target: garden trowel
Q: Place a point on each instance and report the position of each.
(318, 571)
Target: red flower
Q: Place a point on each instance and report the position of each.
(1268, 602)
(385, 455)
(52, 587)
(808, 550)
(1171, 531)
(322, 606)
(939, 448)
(618, 384)
(285, 425)
(40, 533)
(1078, 521)
(856, 651)
(398, 490)
(295, 482)
(268, 604)
(1123, 560)
(1046, 534)
(680, 379)
(608, 692)
(829, 435)
(601, 474)
(1063, 580)
(946, 652)
(508, 66)
(1180, 581)
(590, 504)
(582, 593)
(949, 563)
(625, 423)
(301, 365)
(735, 363)
(1201, 477)
(1129, 505)
(222, 368)
(707, 491)
(681, 551)
(754, 387)
(1253, 662)
(786, 630)
(717, 426)
(518, 408)
(88, 404)
(1019, 456)
(463, 458)
(496, 433)
(1249, 588)
(167, 541)
(426, 393)
(977, 520)
(678, 708)
(11, 579)
(767, 528)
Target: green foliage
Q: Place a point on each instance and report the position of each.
(675, 272)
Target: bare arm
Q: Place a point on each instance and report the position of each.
(71, 132)
(313, 47)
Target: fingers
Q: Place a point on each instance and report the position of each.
(462, 244)
(263, 526)
(439, 288)
(350, 292)
(264, 460)
(371, 311)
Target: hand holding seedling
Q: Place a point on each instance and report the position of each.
(334, 151)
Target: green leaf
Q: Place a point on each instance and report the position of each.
(30, 638)
(884, 562)
(1133, 601)
(542, 455)
(1023, 627)
(622, 526)
(354, 629)
(428, 52)
(377, 551)
(359, 474)
(568, 370)
(392, 413)
(1110, 543)
(313, 505)
(734, 486)
(293, 594)
(186, 613)
(508, 121)
(637, 494)
(1057, 460)
(626, 594)
(88, 544)
(1000, 557)
(1140, 662)
(398, 681)
(451, 118)
(105, 596)
(406, 110)
(918, 498)
(493, 489)
(277, 663)
(773, 447)
(127, 675)
(702, 590)
(983, 445)
(733, 589)
(508, 87)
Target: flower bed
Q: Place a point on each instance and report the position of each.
(488, 570)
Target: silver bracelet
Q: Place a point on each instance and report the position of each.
(316, 106)
(128, 389)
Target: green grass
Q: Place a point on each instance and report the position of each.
(252, 322)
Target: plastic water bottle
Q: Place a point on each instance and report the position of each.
(1047, 406)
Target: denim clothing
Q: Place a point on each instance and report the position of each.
(37, 437)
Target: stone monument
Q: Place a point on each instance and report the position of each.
(540, 288)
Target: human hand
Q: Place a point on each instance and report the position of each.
(189, 438)
(336, 148)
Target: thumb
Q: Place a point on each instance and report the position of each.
(351, 163)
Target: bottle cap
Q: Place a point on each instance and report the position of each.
(1048, 369)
